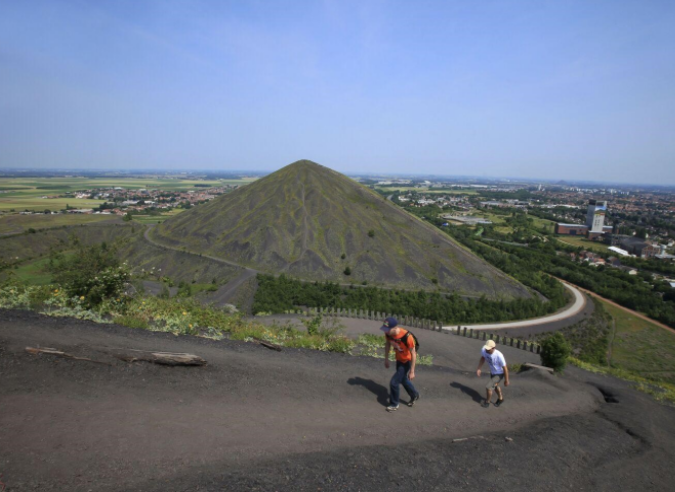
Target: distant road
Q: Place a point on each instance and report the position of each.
(577, 306)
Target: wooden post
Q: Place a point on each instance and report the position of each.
(484, 336)
(512, 341)
(518, 344)
(464, 334)
(538, 349)
(532, 347)
(524, 345)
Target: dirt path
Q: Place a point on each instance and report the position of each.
(578, 304)
(291, 420)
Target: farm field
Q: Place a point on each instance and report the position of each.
(155, 219)
(27, 187)
(584, 243)
(35, 203)
(642, 347)
(22, 194)
(426, 190)
(15, 223)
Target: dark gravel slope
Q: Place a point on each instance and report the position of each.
(254, 419)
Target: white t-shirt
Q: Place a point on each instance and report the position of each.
(496, 361)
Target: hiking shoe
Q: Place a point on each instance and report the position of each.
(412, 402)
(485, 404)
(392, 408)
(499, 402)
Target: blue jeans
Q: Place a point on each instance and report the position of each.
(401, 377)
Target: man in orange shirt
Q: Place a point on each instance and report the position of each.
(404, 344)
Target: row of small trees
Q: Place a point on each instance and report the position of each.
(281, 294)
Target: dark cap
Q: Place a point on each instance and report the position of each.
(389, 323)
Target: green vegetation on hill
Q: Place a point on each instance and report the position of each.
(630, 291)
(642, 347)
(314, 223)
(282, 294)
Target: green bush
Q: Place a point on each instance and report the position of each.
(555, 350)
(38, 295)
(92, 274)
(342, 345)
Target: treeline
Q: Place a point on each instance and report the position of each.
(627, 290)
(527, 270)
(281, 294)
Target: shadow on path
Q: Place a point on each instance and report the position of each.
(468, 391)
(381, 391)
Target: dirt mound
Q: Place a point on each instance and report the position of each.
(314, 223)
(300, 420)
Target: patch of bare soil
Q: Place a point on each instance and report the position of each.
(297, 420)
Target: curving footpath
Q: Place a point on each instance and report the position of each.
(577, 306)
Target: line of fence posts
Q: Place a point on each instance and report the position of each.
(425, 324)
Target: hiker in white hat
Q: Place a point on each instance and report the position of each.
(498, 371)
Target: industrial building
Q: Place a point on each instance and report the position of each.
(595, 222)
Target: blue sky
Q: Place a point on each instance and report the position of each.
(536, 89)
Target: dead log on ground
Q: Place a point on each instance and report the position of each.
(163, 358)
(270, 345)
(58, 353)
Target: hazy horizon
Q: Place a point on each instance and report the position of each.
(575, 91)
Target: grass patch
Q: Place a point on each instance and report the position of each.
(584, 243)
(641, 347)
(34, 273)
(150, 219)
(20, 223)
(641, 352)
(660, 390)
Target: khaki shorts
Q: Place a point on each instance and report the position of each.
(495, 379)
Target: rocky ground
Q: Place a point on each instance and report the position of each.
(299, 420)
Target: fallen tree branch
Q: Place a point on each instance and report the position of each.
(163, 358)
(58, 353)
(270, 345)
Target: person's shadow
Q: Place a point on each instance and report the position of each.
(468, 391)
(380, 391)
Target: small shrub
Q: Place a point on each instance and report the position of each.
(37, 296)
(371, 233)
(555, 350)
(341, 345)
(348, 271)
(313, 325)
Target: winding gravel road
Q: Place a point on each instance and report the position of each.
(572, 310)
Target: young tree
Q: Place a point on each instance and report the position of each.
(555, 350)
